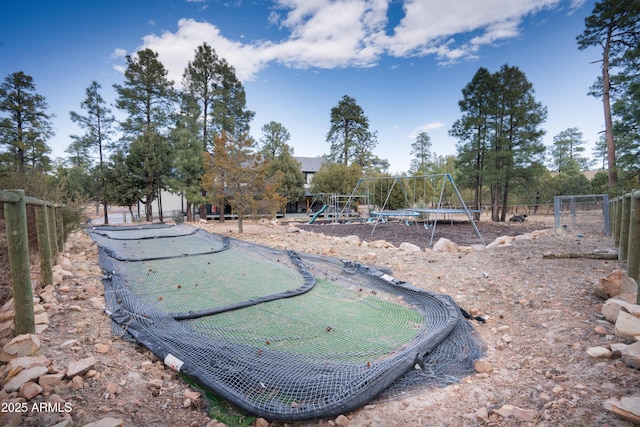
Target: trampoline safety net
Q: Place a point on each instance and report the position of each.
(282, 335)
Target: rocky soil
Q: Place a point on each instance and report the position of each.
(541, 318)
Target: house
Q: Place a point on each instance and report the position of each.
(173, 204)
(309, 167)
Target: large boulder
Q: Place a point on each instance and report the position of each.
(22, 345)
(445, 245)
(616, 283)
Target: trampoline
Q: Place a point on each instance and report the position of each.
(283, 335)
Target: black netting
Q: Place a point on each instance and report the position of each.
(283, 335)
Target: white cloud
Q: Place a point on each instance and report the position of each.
(118, 53)
(425, 128)
(342, 33)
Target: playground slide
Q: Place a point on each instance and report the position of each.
(317, 214)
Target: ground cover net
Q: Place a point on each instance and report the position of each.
(283, 335)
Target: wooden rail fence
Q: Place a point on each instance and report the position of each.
(50, 234)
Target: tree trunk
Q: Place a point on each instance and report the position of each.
(608, 122)
(106, 215)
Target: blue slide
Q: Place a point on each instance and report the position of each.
(317, 214)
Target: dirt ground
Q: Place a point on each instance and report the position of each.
(541, 316)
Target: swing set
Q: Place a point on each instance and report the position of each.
(388, 197)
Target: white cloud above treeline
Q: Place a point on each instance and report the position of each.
(356, 33)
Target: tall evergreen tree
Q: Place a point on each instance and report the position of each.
(499, 133)
(274, 140)
(148, 97)
(278, 154)
(25, 125)
(349, 135)
(188, 161)
(613, 26)
(472, 132)
(96, 122)
(212, 82)
(567, 150)
(422, 155)
(230, 113)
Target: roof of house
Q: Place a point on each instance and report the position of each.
(310, 164)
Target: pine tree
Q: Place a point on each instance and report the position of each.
(349, 135)
(613, 26)
(499, 133)
(148, 98)
(422, 155)
(566, 150)
(188, 162)
(25, 125)
(97, 124)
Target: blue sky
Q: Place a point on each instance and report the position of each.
(404, 62)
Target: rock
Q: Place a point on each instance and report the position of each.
(627, 326)
(261, 422)
(509, 411)
(381, 244)
(69, 343)
(80, 367)
(543, 399)
(49, 381)
(627, 408)
(11, 419)
(409, 247)
(617, 349)
(445, 245)
(352, 240)
(293, 230)
(41, 319)
(599, 353)
(102, 348)
(30, 390)
(612, 307)
(342, 421)
(77, 383)
(482, 366)
(24, 376)
(113, 388)
(616, 283)
(157, 383)
(106, 422)
(482, 414)
(27, 362)
(630, 355)
(22, 345)
(193, 395)
(501, 242)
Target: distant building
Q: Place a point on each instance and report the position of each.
(174, 203)
(309, 167)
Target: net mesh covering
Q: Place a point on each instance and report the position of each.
(283, 335)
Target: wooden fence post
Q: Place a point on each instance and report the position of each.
(625, 217)
(59, 229)
(633, 258)
(18, 244)
(44, 245)
(53, 241)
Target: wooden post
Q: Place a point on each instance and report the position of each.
(59, 229)
(44, 245)
(15, 215)
(51, 216)
(625, 217)
(616, 222)
(633, 256)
